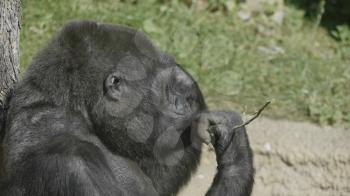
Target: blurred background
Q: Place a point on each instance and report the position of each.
(242, 53)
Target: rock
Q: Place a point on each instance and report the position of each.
(271, 50)
(244, 15)
(278, 17)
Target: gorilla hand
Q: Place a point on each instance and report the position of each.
(234, 156)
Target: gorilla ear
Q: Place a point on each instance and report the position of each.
(113, 86)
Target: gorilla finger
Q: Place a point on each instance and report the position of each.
(218, 133)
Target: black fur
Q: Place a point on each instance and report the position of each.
(2, 118)
(101, 111)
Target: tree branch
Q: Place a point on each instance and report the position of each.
(255, 115)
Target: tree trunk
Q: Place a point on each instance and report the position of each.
(9, 57)
(9, 51)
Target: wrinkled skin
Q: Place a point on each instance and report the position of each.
(103, 112)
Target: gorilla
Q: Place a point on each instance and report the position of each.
(101, 111)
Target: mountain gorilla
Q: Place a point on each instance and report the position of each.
(103, 112)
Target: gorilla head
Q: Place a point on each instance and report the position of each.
(131, 91)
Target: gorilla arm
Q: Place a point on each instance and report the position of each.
(64, 165)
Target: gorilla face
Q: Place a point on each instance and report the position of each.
(147, 98)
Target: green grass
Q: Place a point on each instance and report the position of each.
(238, 64)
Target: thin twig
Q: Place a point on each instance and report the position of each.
(255, 115)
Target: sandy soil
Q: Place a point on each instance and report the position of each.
(291, 158)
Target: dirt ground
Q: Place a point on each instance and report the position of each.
(291, 159)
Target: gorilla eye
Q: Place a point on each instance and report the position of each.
(115, 81)
(113, 84)
(190, 100)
